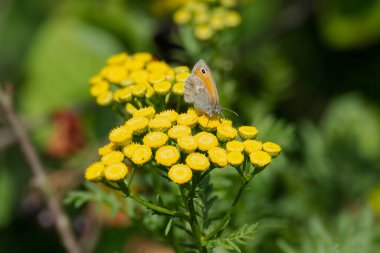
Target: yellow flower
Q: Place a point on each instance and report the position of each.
(116, 172)
(182, 16)
(106, 149)
(157, 77)
(155, 139)
(139, 90)
(232, 19)
(159, 124)
(157, 66)
(187, 144)
(235, 146)
(99, 88)
(139, 125)
(226, 133)
(121, 135)
(206, 141)
(170, 75)
(127, 81)
(143, 57)
(162, 88)
(130, 149)
(181, 77)
(129, 108)
(180, 173)
(147, 112)
(104, 98)
(114, 73)
(209, 123)
(218, 156)
(197, 112)
(197, 161)
(170, 115)
(251, 146)
(271, 148)
(179, 88)
(167, 155)
(179, 131)
(140, 76)
(94, 172)
(181, 69)
(96, 79)
(149, 92)
(203, 32)
(117, 59)
(187, 119)
(248, 132)
(228, 3)
(123, 95)
(235, 158)
(112, 157)
(142, 155)
(260, 158)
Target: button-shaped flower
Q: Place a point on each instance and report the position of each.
(197, 161)
(187, 144)
(218, 156)
(112, 157)
(180, 173)
(179, 131)
(121, 135)
(248, 132)
(272, 148)
(260, 159)
(235, 158)
(116, 172)
(155, 139)
(94, 172)
(251, 146)
(206, 141)
(142, 155)
(167, 155)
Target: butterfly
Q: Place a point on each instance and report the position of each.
(200, 90)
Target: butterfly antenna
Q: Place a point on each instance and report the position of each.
(230, 111)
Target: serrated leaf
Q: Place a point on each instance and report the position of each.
(235, 238)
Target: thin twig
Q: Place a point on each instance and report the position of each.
(62, 223)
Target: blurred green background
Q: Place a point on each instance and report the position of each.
(305, 73)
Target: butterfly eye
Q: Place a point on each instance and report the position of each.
(203, 71)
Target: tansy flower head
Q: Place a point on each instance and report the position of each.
(112, 157)
(203, 31)
(170, 115)
(162, 88)
(116, 172)
(226, 122)
(147, 112)
(114, 73)
(99, 88)
(170, 75)
(123, 95)
(155, 139)
(140, 76)
(197, 112)
(209, 123)
(218, 156)
(157, 77)
(187, 119)
(95, 79)
(251, 146)
(139, 90)
(167, 155)
(180, 173)
(179, 88)
(232, 19)
(226, 133)
(187, 144)
(130, 149)
(104, 98)
(117, 59)
(179, 131)
(181, 77)
(121, 135)
(149, 91)
(206, 141)
(235, 158)
(248, 132)
(271, 148)
(94, 172)
(157, 66)
(181, 69)
(144, 57)
(197, 161)
(139, 125)
(106, 149)
(260, 158)
(159, 124)
(130, 109)
(235, 146)
(182, 16)
(142, 155)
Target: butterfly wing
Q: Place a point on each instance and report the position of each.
(200, 89)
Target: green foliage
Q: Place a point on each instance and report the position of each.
(93, 193)
(231, 240)
(7, 194)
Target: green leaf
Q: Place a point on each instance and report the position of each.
(7, 192)
(233, 239)
(168, 227)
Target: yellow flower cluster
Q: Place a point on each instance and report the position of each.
(208, 17)
(137, 80)
(181, 144)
